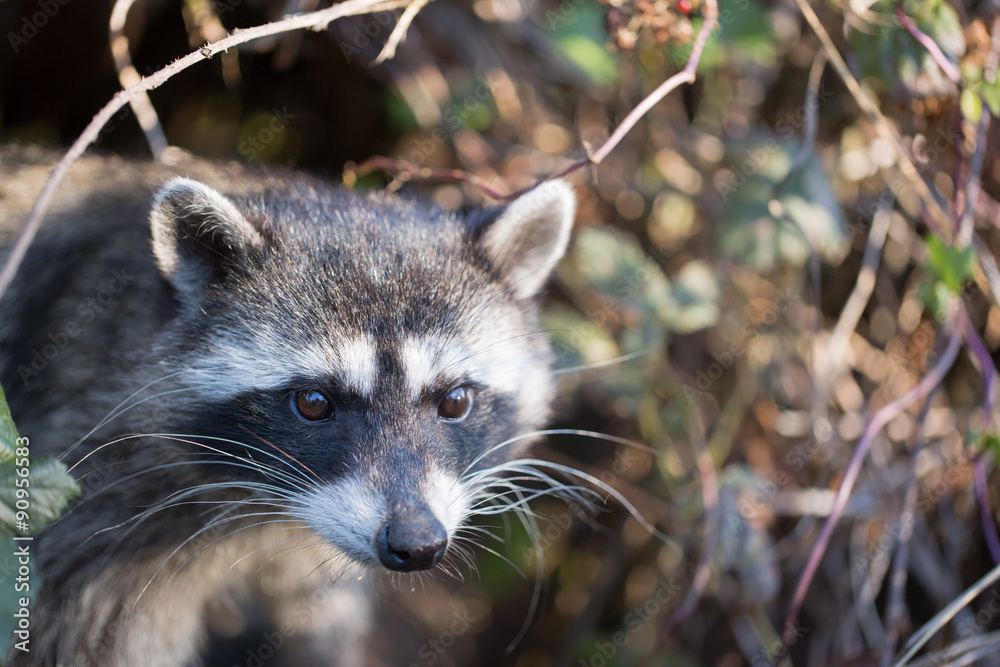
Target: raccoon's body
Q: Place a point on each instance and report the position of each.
(268, 386)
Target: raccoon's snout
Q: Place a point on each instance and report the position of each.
(412, 541)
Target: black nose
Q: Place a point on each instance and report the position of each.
(412, 541)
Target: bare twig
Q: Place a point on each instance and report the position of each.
(972, 188)
(989, 266)
(932, 48)
(208, 28)
(399, 32)
(314, 21)
(966, 224)
(896, 608)
(882, 125)
(985, 515)
(989, 369)
(407, 170)
(128, 76)
(850, 315)
(710, 500)
(878, 421)
(809, 131)
(982, 355)
(931, 627)
(865, 584)
(687, 75)
(966, 651)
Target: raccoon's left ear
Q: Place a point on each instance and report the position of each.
(198, 234)
(530, 236)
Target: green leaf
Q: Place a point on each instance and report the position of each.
(49, 487)
(951, 266)
(8, 433)
(935, 296)
(990, 442)
(971, 103)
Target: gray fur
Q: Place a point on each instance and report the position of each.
(255, 286)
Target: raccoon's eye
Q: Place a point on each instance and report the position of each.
(456, 404)
(312, 405)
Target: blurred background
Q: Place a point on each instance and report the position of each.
(705, 311)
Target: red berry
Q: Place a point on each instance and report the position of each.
(684, 6)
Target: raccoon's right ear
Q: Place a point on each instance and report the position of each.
(198, 235)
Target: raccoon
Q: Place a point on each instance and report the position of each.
(267, 384)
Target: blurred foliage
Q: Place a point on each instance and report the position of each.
(773, 214)
(581, 40)
(892, 58)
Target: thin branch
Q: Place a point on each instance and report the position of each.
(207, 27)
(985, 360)
(886, 414)
(896, 606)
(687, 75)
(407, 170)
(932, 48)
(931, 627)
(399, 32)
(852, 311)
(314, 21)
(966, 224)
(973, 186)
(710, 500)
(809, 131)
(128, 76)
(985, 514)
(882, 125)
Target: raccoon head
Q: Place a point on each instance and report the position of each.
(357, 357)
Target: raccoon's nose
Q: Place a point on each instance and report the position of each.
(412, 541)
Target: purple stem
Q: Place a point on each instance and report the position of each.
(886, 414)
(932, 48)
(986, 516)
(978, 348)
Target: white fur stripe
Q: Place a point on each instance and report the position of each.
(444, 495)
(234, 367)
(425, 360)
(357, 364)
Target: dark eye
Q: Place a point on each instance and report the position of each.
(312, 405)
(456, 404)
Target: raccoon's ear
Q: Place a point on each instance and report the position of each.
(198, 234)
(530, 236)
